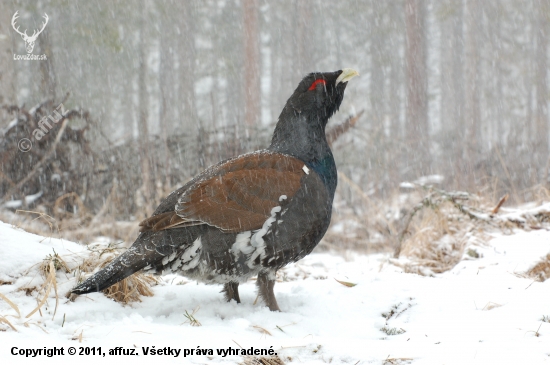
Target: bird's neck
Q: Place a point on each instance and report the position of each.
(306, 140)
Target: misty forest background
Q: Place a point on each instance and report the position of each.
(160, 90)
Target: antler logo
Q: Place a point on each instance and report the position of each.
(29, 41)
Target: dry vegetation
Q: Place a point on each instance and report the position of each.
(445, 227)
(125, 291)
(48, 269)
(541, 271)
(98, 256)
(271, 360)
(428, 229)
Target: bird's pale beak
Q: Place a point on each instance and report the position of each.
(346, 75)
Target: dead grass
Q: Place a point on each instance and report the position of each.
(262, 360)
(191, 318)
(28, 290)
(541, 271)
(48, 269)
(125, 291)
(346, 283)
(58, 264)
(131, 289)
(46, 287)
(262, 330)
(445, 227)
(4, 319)
(78, 337)
(82, 224)
(392, 331)
(74, 228)
(49, 282)
(50, 221)
(437, 241)
(396, 310)
(430, 230)
(491, 305)
(397, 360)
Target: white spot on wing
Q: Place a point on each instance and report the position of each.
(191, 256)
(257, 239)
(176, 264)
(168, 259)
(191, 264)
(242, 244)
(306, 170)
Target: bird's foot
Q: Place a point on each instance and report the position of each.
(231, 291)
(265, 290)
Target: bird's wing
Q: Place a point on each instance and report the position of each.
(236, 195)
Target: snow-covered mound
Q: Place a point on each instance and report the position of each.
(484, 311)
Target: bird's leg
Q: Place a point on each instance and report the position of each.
(231, 291)
(265, 290)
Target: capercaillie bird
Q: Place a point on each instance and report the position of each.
(249, 215)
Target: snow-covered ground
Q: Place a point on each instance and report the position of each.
(484, 311)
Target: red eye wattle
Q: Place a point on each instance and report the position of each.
(318, 81)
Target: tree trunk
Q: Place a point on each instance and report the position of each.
(448, 55)
(187, 65)
(541, 112)
(498, 76)
(377, 89)
(472, 94)
(252, 87)
(166, 72)
(48, 84)
(302, 39)
(417, 85)
(8, 71)
(395, 93)
(457, 94)
(143, 129)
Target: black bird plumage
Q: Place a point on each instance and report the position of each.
(250, 215)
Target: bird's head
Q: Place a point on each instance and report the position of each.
(300, 130)
(320, 94)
